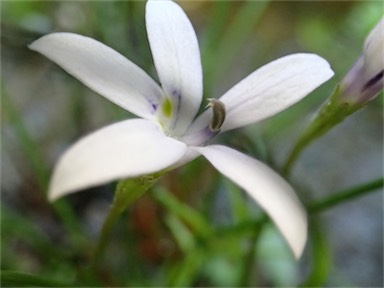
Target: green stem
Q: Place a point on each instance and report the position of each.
(250, 254)
(346, 195)
(321, 258)
(330, 114)
(337, 198)
(126, 192)
(110, 219)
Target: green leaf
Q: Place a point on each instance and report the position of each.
(30, 149)
(190, 216)
(239, 209)
(183, 236)
(185, 273)
(34, 158)
(19, 279)
(224, 51)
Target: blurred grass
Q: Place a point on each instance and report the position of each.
(196, 229)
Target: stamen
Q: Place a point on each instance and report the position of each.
(218, 109)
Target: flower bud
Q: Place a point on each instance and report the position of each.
(361, 84)
(365, 79)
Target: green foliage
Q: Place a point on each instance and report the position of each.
(17, 279)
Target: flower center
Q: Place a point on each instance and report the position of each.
(167, 108)
(218, 109)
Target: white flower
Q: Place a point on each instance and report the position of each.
(169, 134)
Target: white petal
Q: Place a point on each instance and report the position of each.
(190, 155)
(123, 150)
(374, 51)
(267, 188)
(104, 70)
(273, 88)
(176, 55)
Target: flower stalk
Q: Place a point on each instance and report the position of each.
(249, 257)
(330, 114)
(346, 195)
(126, 192)
(362, 83)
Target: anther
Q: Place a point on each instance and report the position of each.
(218, 109)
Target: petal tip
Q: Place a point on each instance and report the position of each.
(37, 44)
(54, 193)
(33, 45)
(280, 203)
(58, 189)
(299, 245)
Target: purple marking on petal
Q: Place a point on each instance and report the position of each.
(153, 106)
(176, 94)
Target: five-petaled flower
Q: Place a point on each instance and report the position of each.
(169, 134)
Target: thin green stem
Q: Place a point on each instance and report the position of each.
(111, 218)
(331, 113)
(346, 195)
(126, 192)
(321, 258)
(337, 198)
(250, 254)
(295, 153)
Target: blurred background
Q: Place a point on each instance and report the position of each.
(44, 110)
